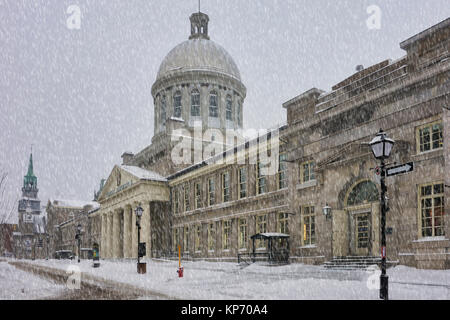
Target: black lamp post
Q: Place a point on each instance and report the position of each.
(326, 210)
(141, 267)
(78, 237)
(381, 147)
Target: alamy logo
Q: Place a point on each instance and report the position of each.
(374, 20)
(74, 20)
(74, 279)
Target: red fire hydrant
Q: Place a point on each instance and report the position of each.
(180, 272)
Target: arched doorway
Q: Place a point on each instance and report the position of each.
(361, 204)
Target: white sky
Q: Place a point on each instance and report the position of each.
(82, 97)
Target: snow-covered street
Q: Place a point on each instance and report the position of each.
(16, 284)
(223, 280)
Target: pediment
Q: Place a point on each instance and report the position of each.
(118, 179)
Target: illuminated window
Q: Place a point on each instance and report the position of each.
(432, 209)
(309, 226)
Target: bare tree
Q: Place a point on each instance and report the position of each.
(7, 206)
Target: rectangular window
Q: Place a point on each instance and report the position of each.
(198, 195)
(307, 171)
(242, 234)
(198, 237)
(176, 239)
(283, 223)
(177, 105)
(431, 198)
(261, 227)
(211, 236)
(211, 192)
(226, 235)
(242, 182)
(430, 137)
(260, 178)
(282, 171)
(186, 239)
(187, 203)
(229, 109)
(213, 109)
(195, 103)
(226, 187)
(176, 202)
(309, 227)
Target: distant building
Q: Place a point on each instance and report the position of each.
(30, 241)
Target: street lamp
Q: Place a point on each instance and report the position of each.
(141, 267)
(78, 237)
(326, 211)
(381, 147)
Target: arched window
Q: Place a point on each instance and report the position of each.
(177, 104)
(229, 109)
(213, 105)
(363, 192)
(195, 103)
(163, 110)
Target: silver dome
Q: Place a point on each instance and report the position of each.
(198, 54)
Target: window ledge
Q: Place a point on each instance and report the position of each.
(426, 239)
(427, 154)
(225, 250)
(210, 251)
(242, 249)
(310, 183)
(309, 246)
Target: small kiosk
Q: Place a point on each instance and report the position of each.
(275, 248)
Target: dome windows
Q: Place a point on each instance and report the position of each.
(213, 105)
(229, 109)
(177, 104)
(195, 103)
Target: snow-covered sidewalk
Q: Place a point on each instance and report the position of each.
(16, 284)
(222, 280)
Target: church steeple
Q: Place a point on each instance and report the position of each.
(30, 181)
(199, 26)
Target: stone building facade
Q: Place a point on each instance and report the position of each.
(321, 157)
(63, 218)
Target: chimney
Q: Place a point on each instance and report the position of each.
(127, 157)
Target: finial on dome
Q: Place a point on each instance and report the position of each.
(199, 25)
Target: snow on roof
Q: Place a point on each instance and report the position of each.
(143, 173)
(74, 203)
(272, 235)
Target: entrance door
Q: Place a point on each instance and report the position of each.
(362, 234)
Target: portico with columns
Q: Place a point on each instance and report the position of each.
(126, 188)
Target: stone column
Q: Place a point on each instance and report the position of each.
(115, 234)
(110, 235)
(103, 244)
(145, 228)
(133, 228)
(126, 232)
